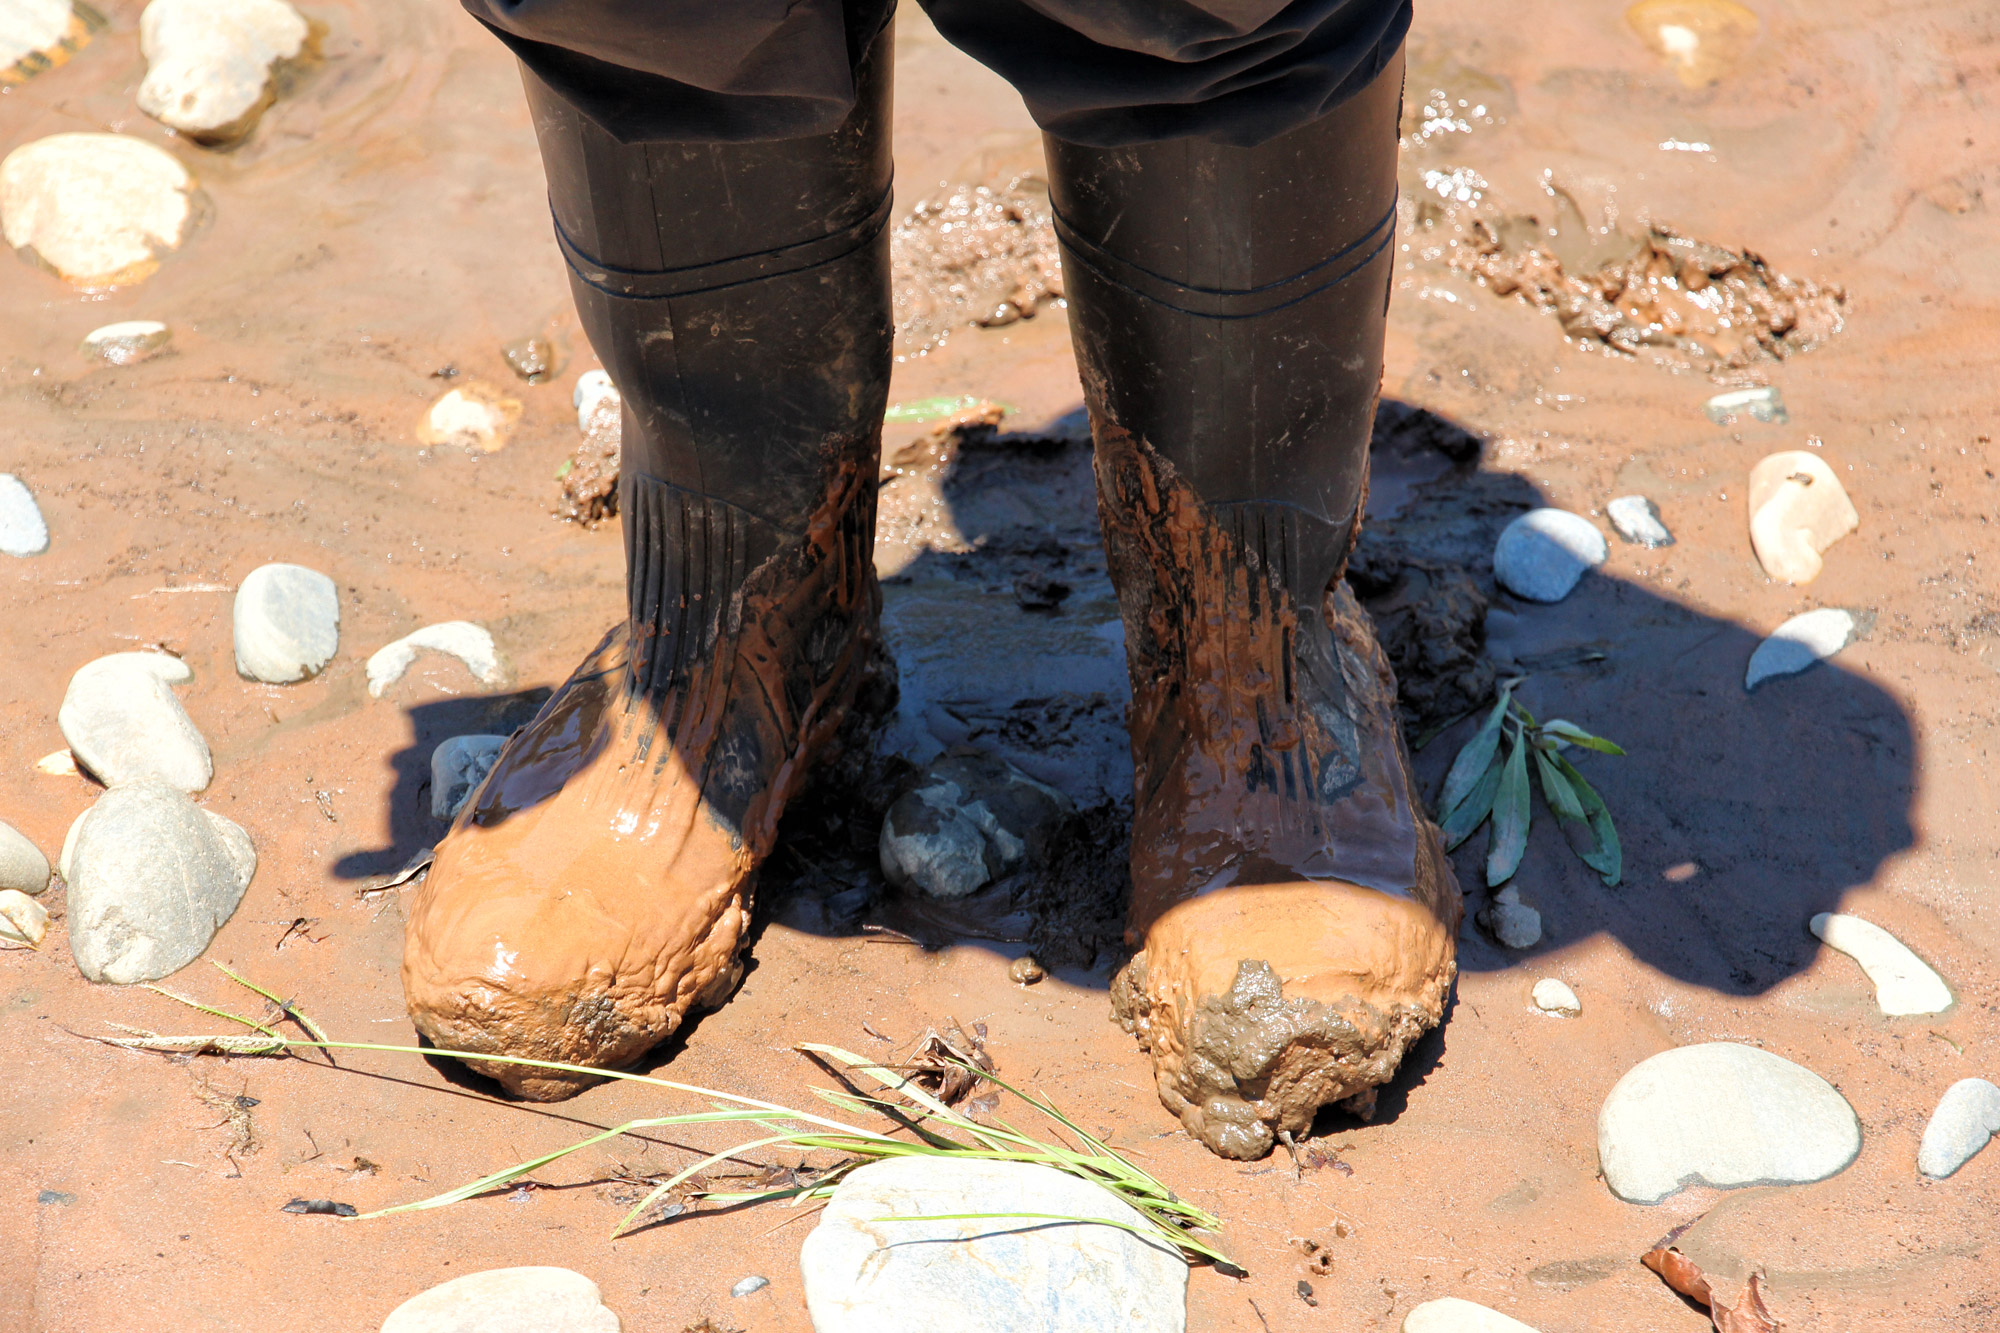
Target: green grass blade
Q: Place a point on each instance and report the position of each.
(213, 1012)
(1576, 735)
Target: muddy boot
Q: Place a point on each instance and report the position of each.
(597, 888)
(1292, 908)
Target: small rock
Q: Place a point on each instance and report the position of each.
(1452, 1315)
(1966, 1119)
(1552, 996)
(593, 396)
(1025, 970)
(57, 764)
(38, 35)
(458, 766)
(124, 723)
(127, 343)
(1511, 921)
(1542, 554)
(99, 209)
(863, 1274)
(1724, 1115)
(23, 921)
(287, 623)
(22, 529)
(1797, 510)
(68, 854)
(152, 877)
(1637, 520)
(1904, 983)
(533, 359)
(208, 62)
(22, 865)
(969, 820)
(459, 638)
(1039, 592)
(749, 1286)
(507, 1300)
(1763, 403)
(472, 416)
(1812, 636)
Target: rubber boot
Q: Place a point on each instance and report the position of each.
(1292, 909)
(597, 888)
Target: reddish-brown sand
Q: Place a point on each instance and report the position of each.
(384, 223)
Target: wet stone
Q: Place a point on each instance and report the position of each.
(287, 623)
(473, 416)
(208, 62)
(1637, 520)
(1798, 509)
(1553, 996)
(1802, 641)
(22, 529)
(1904, 983)
(458, 766)
(969, 820)
(99, 209)
(1763, 403)
(23, 921)
(22, 865)
(124, 723)
(1724, 1115)
(1966, 1119)
(127, 342)
(462, 639)
(1452, 1315)
(863, 1274)
(1025, 971)
(507, 1300)
(1510, 921)
(533, 359)
(1542, 554)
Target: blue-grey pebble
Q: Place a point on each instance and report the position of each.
(23, 531)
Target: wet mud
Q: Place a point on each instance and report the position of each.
(976, 254)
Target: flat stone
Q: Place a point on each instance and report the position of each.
(1904, 983)
(1637, 520)
(287, 621)
(749, 1286)
(128, 341)
(507, 1300)
(99, 209)
(1724, 1115)
(24, 923)
(22, 529)
(1797, 509)
(472, 416)
(124, 723)
(152, 877)
(1807, 638)
(969, 820)
(22, 865)
(458, 766)
(1966, 1119)
(1452, 1315)
(1510, 921)
(208, 62)
(1542, 554)
(462, 639)
(1553, 996)
(1763, 403)
(864, 1275)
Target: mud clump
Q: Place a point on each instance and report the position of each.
(1430, 617)
(588, 478)
(977, 255)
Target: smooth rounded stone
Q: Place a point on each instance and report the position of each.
(534, 359)
(22, 865)
(594, 389)
(99, 209)
(24, 923)
(462, 639)
(969, 820)
(287, 621)
(208, 62)
(23, 531)
(124, 723)
(507, 1300)
(30, 29)
(1542, 554)
(1452, 1315)
(152, 877)
(1553, 996)
(749, 1286)
(127, 342)
(472, 416)
(1904, 983)
(1637, 520)
(1724, 1115)
(865, 1275)
(458, 766)
(1510, 921)
(1807, 638)
(1797, 509)
(1966, 1119)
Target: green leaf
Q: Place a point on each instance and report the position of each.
(930, 409)
(1472, 811)
(1556, 789)
(1510, 818)
(1472, 761)
(1576, 735)
(1606, 857)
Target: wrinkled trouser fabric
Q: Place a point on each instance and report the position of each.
(1103, 73)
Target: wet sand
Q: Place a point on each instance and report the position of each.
(384, 225)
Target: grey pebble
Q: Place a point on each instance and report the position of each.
(749, 1286)
(287, 623)
(1542, 554)
(458, 766)
(124, 723)
(1637, 520)
(22, 865)
(22, 529)
(969, 820)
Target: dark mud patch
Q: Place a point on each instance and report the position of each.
(973, 255)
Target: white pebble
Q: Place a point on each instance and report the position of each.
(458, 766)
(1812, 636)
(287, 623)
(57, 764)
(1511, 921)
(22, 865)
(31, 28)
(1797, 510)
(592, 388)
(1904, 983)
(506, 1300)
(123, 722)
(749, 1286)
(1553, 996)
(1637, 520)
(127, 342)
(24, 923)
(472, 416)
(1966, 1119)
(1542, 554)
(23, 531)
(99, 209)
(208, 62)
(458, 638)
(1452, 1315)
(1762, 403)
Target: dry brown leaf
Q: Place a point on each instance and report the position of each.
(937, 1061)
(1746, 1314)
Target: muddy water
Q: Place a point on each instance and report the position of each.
(383, 225)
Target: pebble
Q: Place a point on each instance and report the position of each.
(208, 62)
(24, 923)
(472, 416)
(1724, 1115)
(32, 33)
(749, 1286)
(1764, 404)
(57, 764)
(152, 876)
(22, 865)
(1511, 921)
(124, 723)
(1553, 996)
(1966, 1119)
(1026, 970)
(127, 342)
(287, 623)
(1811, 636)
(1904, 983)
(1452, 1315)
(22, 529)
(507, 1300)
(1542, 554)
(1797, 509)
(1637, 520)
(458, 638)
(533, 359)
(863, 1275)
(594, 389)
(969, 820)
(99, 209)
(458, 766)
